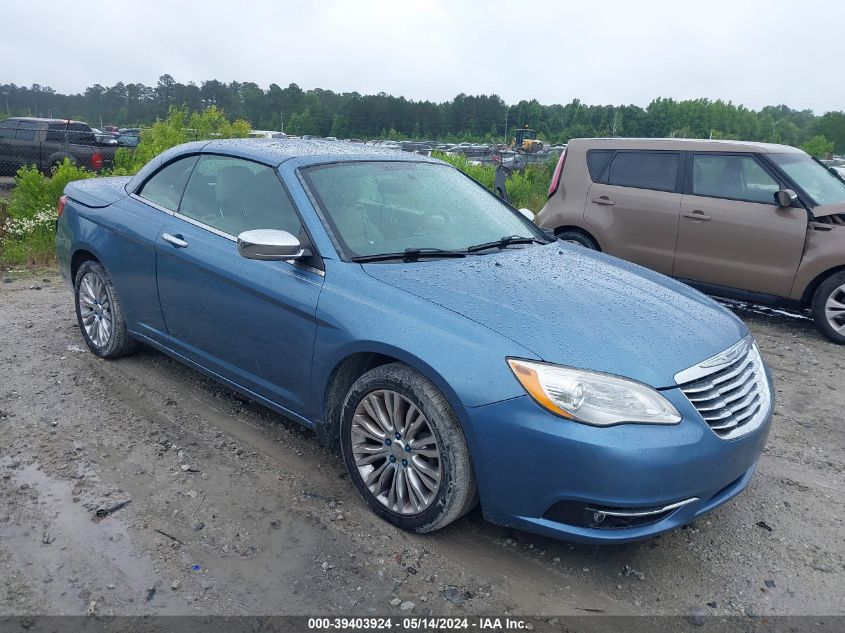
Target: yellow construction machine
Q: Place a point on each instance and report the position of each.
(526, 141)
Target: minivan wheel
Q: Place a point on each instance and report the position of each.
(575, 237)
(829, 308)
(405, 451)
(99, 313)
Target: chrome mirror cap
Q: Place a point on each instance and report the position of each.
(786, 197)
(269, 245)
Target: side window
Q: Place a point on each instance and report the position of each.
(234, 195)
(736, 177)
(7, 128)
(26, 131)
(165, 187)
(56, 132)
(80, 134)
(596, 160)
(644, 170)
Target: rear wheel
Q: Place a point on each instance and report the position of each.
(405, 450)
(100, 314)
(576, 237)
(829, 308)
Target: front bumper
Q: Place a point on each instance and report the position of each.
(530, 463)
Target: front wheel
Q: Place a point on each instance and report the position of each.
(405, 450)
(829, 308)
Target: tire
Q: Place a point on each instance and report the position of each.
(404, 394)
(99, 313)
(576, 237)
(829, 308)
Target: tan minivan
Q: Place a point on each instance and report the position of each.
(750, 221)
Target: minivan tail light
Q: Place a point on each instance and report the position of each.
(556, 175)
(97, 160)
(61, 206)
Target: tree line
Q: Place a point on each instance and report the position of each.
(466, 117)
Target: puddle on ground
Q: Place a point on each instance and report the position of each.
(86, 558)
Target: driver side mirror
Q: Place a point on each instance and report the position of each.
(269, 245)
(527, 214)
(785, 198)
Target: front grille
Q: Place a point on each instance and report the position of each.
(729, 390)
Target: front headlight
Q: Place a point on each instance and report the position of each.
(592, 397)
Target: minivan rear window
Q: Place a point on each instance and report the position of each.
(644, 170)
(596, 160)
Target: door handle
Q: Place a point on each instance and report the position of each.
(176, 240)
(697, 215)
(604, 200)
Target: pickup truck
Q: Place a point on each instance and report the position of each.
(45, 143)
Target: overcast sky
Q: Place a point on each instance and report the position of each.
(750, 52)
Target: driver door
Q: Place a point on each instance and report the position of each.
(251, 322)
(731, 232)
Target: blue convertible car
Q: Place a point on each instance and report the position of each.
(454, 351)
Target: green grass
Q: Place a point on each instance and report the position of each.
(28, 215)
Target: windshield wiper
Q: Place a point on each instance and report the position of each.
(410, 255)
(505, 241)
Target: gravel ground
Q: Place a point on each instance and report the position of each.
(235, 510)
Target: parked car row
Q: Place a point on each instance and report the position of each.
(455, 352)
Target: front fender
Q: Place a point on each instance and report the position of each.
(356, 313)
(824, 253)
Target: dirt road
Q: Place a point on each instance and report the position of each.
(234, 510)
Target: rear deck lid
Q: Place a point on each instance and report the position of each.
(97, 192)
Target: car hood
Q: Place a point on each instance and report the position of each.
(829, 209)
(576, 307)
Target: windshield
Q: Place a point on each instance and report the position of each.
(812, 177)
(374, 208)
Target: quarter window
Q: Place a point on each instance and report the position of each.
(596, 160)
(644, 170)
(734, 177)
(234, 195)
(167, 184)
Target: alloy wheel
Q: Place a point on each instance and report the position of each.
(834, 309)
(95, 309)
(396, 452)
